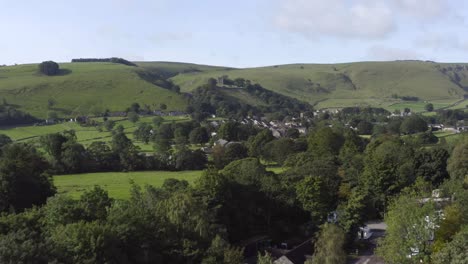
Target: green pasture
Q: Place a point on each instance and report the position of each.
(117, 183)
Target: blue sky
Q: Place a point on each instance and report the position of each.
(239, 33)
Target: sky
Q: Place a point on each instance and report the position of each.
(236, 33)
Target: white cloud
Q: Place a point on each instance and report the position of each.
(441, 42)
(423, 9)
(380, 52)
(337, 18)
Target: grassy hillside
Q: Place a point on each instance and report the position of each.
(350, 84)
(82, 88)
(87, 88)
(174, 68)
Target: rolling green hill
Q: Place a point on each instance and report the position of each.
(350, 84)
(87, 88)
(82, 88)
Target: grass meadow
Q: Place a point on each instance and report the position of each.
(117, 183)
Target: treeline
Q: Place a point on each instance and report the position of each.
(9, 116)
(158, 78)
(406, 98)
(210, 99)
(113, 60)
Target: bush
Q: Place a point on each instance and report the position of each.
(49, 68)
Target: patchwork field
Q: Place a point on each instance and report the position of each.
(117, 183)
(85, 135)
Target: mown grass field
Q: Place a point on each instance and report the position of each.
(117, 183)
(83, 88)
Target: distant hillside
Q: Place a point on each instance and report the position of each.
(92, 87)
(363, 83)
(82, 88)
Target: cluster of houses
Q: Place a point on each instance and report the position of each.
(277, 128)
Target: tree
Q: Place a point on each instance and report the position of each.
(388, 168)
(133, 117)
(74, 157)
(329, 246)
(157, 120)
(95, 203)
(431, 165)
(410, 227)
(135, 107)
(315, 197)
(143, 132)
(278, 150)
(364, 127)
(454, 252)
(162, 106)
(264, 259)
(4, 140)
(429, 107)
(413, 124)
(51, 102)
(325, 141)
(120, 142)
(49, 68)
(23, 182)
(256, 143)
(52, 144)
(458, 162)
(199, 135)
(109, 124)
(190, 160)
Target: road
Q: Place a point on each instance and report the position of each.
(367, 256)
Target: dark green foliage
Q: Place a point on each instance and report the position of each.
(23, 182)
(190, 160)
(135, 107)
(74, 157)
(133, 117)
(325, 141)
(210, 99)
(458, 162)
(429, 107)
(364, 127)
(389, 167)
(95, 203)
(257, 142)
(413, 124)
(4, 140)
(234, 131)
(455, 251)
(329, 247)
(431, 165)
(143, 132)
(113, 60)
(278, 150)
(222, 156)
(109, 125)
(157, 121)
(9, 115)
(49, 68)
(199, 135)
